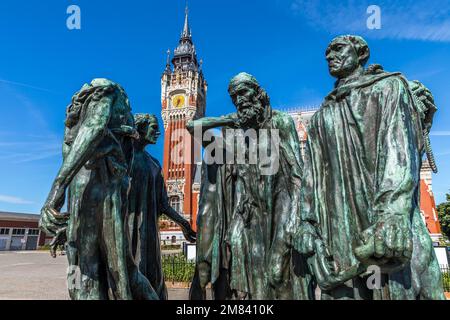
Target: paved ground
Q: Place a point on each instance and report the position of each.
(34, 275)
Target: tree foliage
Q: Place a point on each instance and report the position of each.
(444, 216)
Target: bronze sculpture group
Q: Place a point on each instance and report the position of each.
(276, 227)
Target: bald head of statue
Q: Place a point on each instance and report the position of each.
(346, 54)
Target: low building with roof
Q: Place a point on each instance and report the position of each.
(20, 231)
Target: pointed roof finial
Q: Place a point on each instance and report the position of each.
(186, 29)
(168, 57)
(168, 70)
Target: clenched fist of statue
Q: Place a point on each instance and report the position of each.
(387, 244)
(306, 236)
(55, 224)
(52, 221)
(188, 233)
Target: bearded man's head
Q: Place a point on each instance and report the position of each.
(250, 99)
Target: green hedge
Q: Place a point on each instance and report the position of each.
(446, 281)
(170, 246)
(176, 268)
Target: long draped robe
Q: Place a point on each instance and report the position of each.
(100, 264)
(245, 224)
(363, 162)
(147, 201)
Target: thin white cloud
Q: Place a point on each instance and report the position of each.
(13, 200)
(407, 19)
(444, 153)
(20, 147)
(29, 150)
(427, 73)
(440, 133)
(35, 157)
(25, 85)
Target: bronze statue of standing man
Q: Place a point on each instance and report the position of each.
(360, 193)
(148, 200)
(97, 157)
(249, 201)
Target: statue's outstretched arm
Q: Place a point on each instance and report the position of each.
(198, 127)
(207, 123)
(189, 234)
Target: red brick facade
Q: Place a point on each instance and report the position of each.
(22, 227)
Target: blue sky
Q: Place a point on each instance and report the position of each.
(281, 42)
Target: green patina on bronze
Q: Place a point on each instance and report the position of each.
(148, 200)
(97, 157)
(246, 219)
(352, 204)
(360, 190)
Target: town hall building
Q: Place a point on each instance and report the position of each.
(183, 98)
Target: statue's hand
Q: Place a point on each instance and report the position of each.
(387, 244)
(422, 92)
(59, 240)
(327, 271)
(55, 224)
(190, 126)
(323, 267)
(305, 239)
(188, 233)
(51, 221)
(51, 218)
(393, 237)
(424, 95)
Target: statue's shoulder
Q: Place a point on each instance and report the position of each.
(375, 75)
(279, 115)
(155, 162)
(142, 158)
(282, 119)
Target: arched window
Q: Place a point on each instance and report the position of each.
(175, 203)
(174, 239)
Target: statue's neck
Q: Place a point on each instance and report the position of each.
(139, 146)
(357, 73)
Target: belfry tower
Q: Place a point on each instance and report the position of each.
(183, 98)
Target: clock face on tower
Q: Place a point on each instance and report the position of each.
(178, 101)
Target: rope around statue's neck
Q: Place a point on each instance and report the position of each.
(429, 151)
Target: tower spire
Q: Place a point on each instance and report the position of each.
(184, 55)
(168, 57)
(168, 70)
(186, 29)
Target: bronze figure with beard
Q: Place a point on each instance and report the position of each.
(247, 212)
